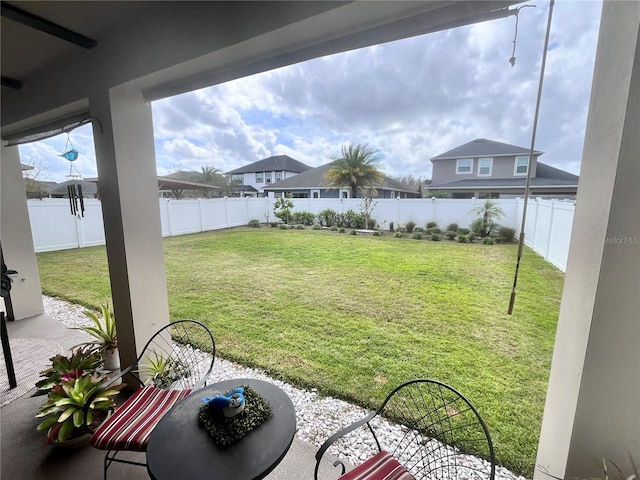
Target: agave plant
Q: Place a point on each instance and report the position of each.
(81, 362)
(103, 331)
(72, 406)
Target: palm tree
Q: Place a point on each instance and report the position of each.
(356, 169)
(489, 210)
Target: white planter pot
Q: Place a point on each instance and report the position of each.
(111, 361)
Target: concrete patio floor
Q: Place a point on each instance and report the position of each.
(24, 456)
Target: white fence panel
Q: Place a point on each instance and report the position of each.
(547, 230)
(91, 227)
(214, 214)
(184, 217)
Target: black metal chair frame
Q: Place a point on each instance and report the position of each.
(158, 344)
(442, 415)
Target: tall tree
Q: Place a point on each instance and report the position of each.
(356, 169)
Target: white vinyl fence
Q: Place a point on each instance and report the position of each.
(548, 227)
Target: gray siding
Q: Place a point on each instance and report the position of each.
(444, 171)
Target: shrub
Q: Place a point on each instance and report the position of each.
(282, 208)
(377, 233)
(299, 226)
(432, 225)
(471, 238)
(334, 228)
(417, 236)
(506, 234)
(317, 226)
(353, 232)
(452, 227)
(351, 219)
(435, 237)
(480, 228)
(409, 226)
(283, 226)
(254, 223)
(464, 231)
(451, 234)
(341, 230)
(391, 227)
(463, 239)
(436, 230)
(418, 229)
(487, 241)
(274, 224)
(305, 218)
(398, 235)
(328, 217)
(372, 224)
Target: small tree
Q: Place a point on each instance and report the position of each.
(367, 204)
(282, 208)
(488, 211)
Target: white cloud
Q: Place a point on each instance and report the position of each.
(412, 99)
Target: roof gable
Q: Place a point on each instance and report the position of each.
(273, 163)
(481, 147)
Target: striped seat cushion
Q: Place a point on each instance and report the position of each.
(131, 425)
(381, 466)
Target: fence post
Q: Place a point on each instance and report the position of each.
(226, 211)
(200, 215)
(79, 231)
(535, 225)
(169, 217)
(553, 211)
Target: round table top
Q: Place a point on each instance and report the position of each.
(180, 448)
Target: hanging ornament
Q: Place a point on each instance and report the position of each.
(70, 154)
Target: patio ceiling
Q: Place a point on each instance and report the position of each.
(71, 49)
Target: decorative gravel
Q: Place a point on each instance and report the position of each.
(318, 417)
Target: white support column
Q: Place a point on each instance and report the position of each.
(592, 410)
(128, 186)
(16, 238)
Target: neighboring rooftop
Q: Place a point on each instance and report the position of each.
(314, 178)
(481, 147)
(272, 164)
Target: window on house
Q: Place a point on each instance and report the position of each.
(267, 177)
(315, 193)
(344, 193)
(521, 166)
(485, 167)
(278, 176)
(259, 177)
(464, 165)
(237, 177)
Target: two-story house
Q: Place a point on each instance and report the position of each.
(251, 179)
(487, 169)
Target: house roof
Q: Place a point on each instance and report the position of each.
(245, 188)
(274, 163)
(166, 182)
(88, 187)
(481, 147)
(546, 176)
(314, 178)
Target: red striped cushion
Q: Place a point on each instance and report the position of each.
(381, 466)
(132, 423)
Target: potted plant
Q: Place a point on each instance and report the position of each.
(105, 337)
(162, 372)
(76, 406)
(82, 361)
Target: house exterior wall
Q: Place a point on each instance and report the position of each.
(250, 178)
(444, 171)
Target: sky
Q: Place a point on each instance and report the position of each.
(410, 99)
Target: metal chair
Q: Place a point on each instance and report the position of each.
(423, 429)
(175, 361)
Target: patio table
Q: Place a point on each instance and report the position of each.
(180, 448)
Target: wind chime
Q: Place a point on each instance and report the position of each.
(76, 199)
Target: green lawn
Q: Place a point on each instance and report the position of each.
(356, 315)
